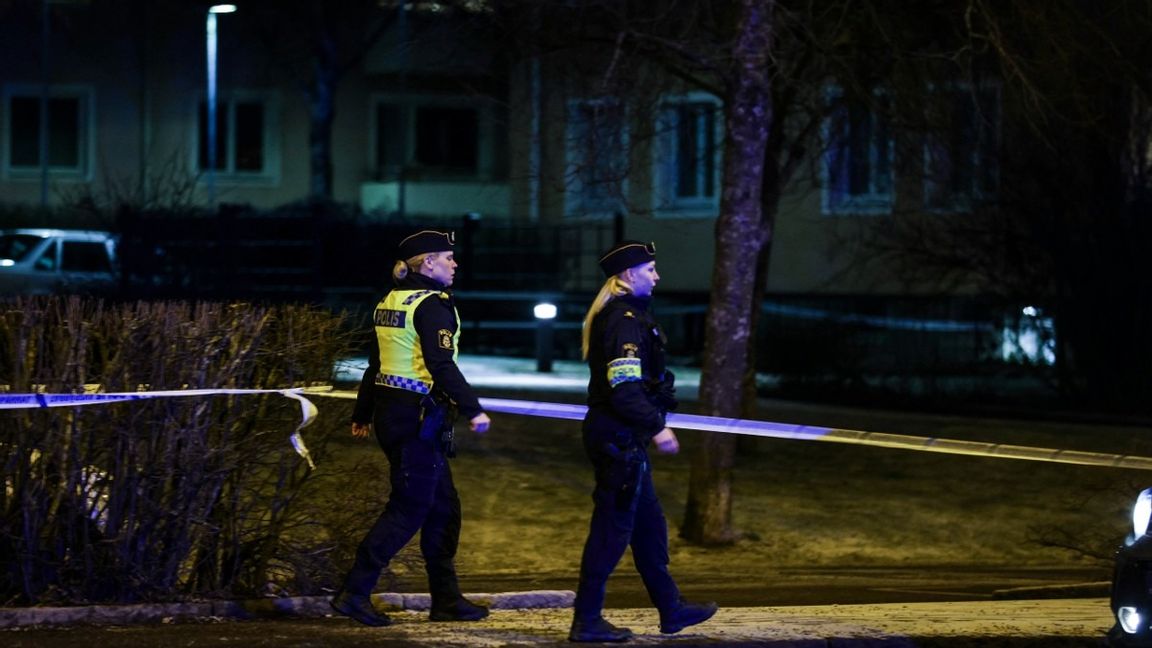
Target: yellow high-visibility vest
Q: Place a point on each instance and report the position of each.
(402, 364)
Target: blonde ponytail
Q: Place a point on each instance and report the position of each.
(404, 268)
(399, 271)
(614, 287)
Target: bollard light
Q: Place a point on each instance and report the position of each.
(545, 312)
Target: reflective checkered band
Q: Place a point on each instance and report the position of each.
(400, 382)
(416, 295)
(622, 370)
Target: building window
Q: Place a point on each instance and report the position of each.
(447, 138)
(597, 155)
(858, 156)
(688, 156)
(961, 166)
(68, 131)
(242, 136)
(436, 138)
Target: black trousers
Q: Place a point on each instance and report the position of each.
(626, 512)
(423, 499)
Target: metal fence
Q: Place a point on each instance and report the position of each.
(318, 255)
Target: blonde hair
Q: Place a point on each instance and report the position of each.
(615, 286)
(402, 268)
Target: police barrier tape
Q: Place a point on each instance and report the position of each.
(682, 421)
(37, 400)
(815, 433)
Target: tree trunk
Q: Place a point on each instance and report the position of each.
(739, 239)
(322, 112)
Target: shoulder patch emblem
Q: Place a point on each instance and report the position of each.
(628, 314)
(445, 339)
(630, 350)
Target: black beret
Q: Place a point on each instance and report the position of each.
(424, 242)
(626, 254)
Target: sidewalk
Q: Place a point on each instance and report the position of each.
(846, 626)
(308, 622)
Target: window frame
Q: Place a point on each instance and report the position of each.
(666, 159)
(226, 110)
(487, 156)
(876, 201)
(85, 139)
(577, 204)
(984, 158)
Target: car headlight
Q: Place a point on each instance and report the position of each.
(1129, 618)
(1132, 581)
(1141, 513)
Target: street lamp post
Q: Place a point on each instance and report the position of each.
(210, 29)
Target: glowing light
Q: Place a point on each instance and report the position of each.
(222, 8)
(544, 311)
(1031, 311)
(1129, 618)
(1142, 512)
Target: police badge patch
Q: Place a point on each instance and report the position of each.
(445, 339)
(630, 350)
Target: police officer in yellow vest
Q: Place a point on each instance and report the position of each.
(411, 383)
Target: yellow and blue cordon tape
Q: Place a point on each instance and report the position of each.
(680, 421)
(815, 433)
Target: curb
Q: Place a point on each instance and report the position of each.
(296, 606)
(1099, 589)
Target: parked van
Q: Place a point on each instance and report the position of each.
(44, 261)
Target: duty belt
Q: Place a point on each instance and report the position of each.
(400, 382)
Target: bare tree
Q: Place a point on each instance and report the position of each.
(317, 43)
(772, 63)
(1066, 228)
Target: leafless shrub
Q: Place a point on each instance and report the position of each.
(157, 498)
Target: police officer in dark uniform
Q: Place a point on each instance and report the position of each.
(629, 393)
(407, 395)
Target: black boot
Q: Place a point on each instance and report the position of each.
(686, 614)
(598, 630)
(359, 607)
(460, 609)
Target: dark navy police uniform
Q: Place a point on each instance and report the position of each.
(423, 497)
(407, 394)
(630, 392)
(626, 408)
